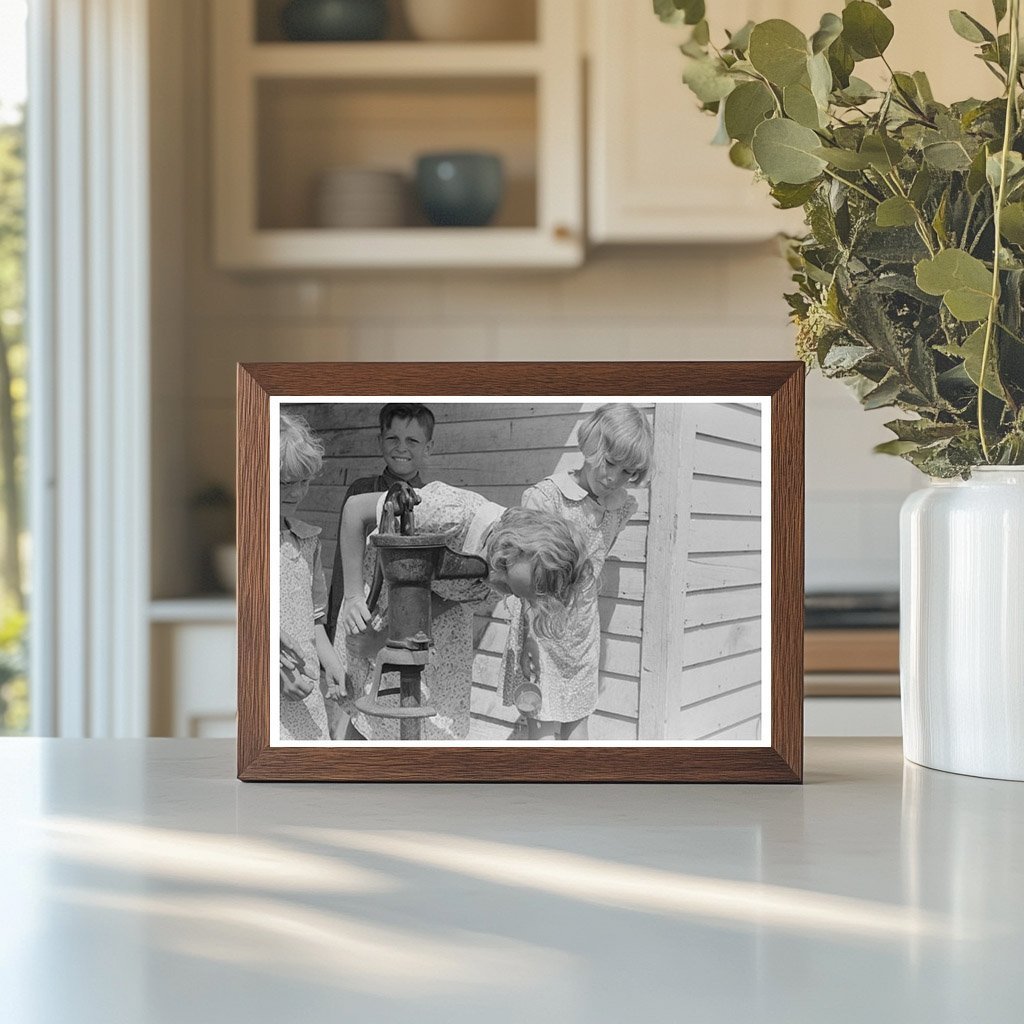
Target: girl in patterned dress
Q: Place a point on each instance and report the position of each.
(304, 646)
(617, 443)
(539, 557)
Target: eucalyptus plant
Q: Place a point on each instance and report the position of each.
(910, 278)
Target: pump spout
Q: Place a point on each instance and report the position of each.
(457, 565)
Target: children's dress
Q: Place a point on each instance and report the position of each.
(303, 605)
(446, 684)
(569, 661)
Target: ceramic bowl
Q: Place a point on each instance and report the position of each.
(471, 20)
(334, 20)
(462, 189)
(360, 197)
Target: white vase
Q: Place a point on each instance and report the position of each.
(962, 624)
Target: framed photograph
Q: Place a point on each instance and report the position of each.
(520, 572)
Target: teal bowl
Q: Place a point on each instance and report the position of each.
(334, 21)
(460, 190)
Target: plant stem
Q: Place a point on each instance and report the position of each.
(855, 187)
(993, 308)
(923, 229)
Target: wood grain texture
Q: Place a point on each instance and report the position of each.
(780, 762)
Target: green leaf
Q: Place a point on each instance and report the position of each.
(742, 155)
(923, 431)
(739, 41)
(1011, 225)
(883, 153)
(1014, 169)
(924, 88)
(707, 80)
(844, 159)
(971, 352)
(859, 91)
(896, 212)
(968, 28)
(820, 75)
(866, 29)
(895, 447)
(745, 108)
(701, 33)
(785, 152)
(800, 105)
(841, 60)
(999, 7)
(976, 174)
(789, 197)
(676, 12)
(963, 281)
(921, 185)
(778, 50)
(830, 28)
(885, 394)
(939, 220)
(946, 156)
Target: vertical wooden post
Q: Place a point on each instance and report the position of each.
(661, 650)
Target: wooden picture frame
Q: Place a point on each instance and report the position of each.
(775, 389)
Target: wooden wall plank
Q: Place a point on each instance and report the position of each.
(701, 682)
(748, 730)
(713, 496)
(722, 712)
(718, 534)
(710, 642)
(704, 574)
(731, 422)
(707, 606)
(724, 459)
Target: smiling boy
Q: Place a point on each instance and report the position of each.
(406, 441)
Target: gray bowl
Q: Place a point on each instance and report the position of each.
(460, 189)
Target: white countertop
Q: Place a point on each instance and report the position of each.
(143, 884)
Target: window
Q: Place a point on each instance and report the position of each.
(14, 548)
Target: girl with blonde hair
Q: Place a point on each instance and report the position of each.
(538, 557)
(617, 443)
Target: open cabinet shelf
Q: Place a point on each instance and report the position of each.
(287, 114)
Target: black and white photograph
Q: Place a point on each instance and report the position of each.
(520, 570)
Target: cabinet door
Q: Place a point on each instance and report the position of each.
(654, 175)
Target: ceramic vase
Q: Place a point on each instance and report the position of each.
(962, 624)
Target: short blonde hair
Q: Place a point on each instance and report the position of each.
(621, 433)
(302, 452)
(560, 565)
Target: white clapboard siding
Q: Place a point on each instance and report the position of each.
(720, 691)
(498, 450)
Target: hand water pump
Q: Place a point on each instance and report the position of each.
(409, 563)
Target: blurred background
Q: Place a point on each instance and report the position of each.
(248, 180)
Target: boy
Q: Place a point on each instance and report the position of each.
(406, 441)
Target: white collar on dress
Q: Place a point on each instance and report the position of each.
(572, 489)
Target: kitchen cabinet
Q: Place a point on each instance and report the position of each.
(653, 175)
(287, 113)
(192, 654)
